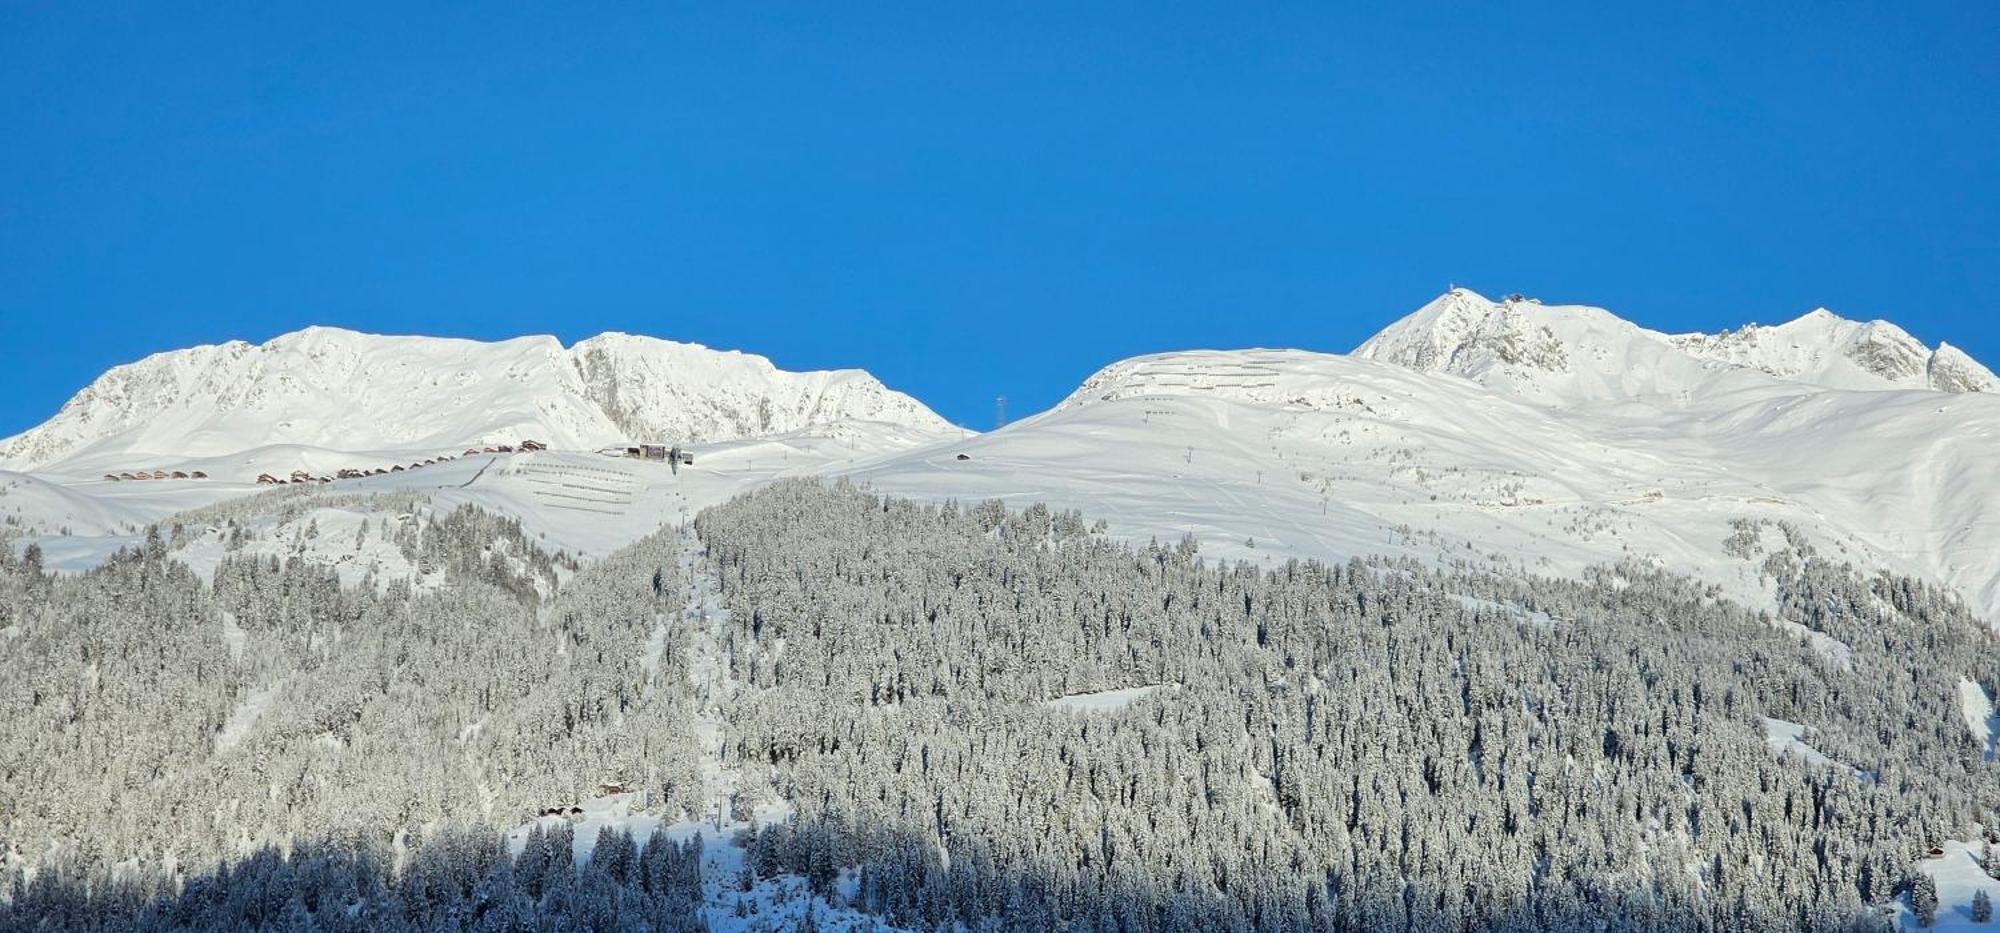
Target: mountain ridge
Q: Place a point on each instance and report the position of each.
(1573, 353)
(343, 389)
(1550, 438)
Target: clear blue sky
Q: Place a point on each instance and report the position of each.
(984, 198)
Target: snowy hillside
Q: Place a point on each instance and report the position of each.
(582, 504)
(344, 391)
(1574, 438)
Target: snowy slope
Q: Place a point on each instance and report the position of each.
(344, 391)
(581, 504)
(1508, 435)
(80, 522)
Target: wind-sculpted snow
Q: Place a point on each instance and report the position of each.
(344, 391)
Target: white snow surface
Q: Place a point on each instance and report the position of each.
(1984, 723)
(244, 717)
(340, 390)
(1789, 737)
(1104, 701)
(1564, 439)
(1958, 875)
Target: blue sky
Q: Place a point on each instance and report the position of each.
(978, 199)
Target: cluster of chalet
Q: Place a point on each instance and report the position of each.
(525, 447)
(155, 474)
(574, 813)
(302, 476)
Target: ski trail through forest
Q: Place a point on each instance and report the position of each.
(776, 903)
(705, 624)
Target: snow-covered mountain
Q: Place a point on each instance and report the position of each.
(1545, 438)
(340, 390)
(1572, 353)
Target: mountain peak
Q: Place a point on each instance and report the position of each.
(1826, 349)
(1517, 343)
(1816, 316)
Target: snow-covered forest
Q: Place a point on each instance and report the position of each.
(1377, 745)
